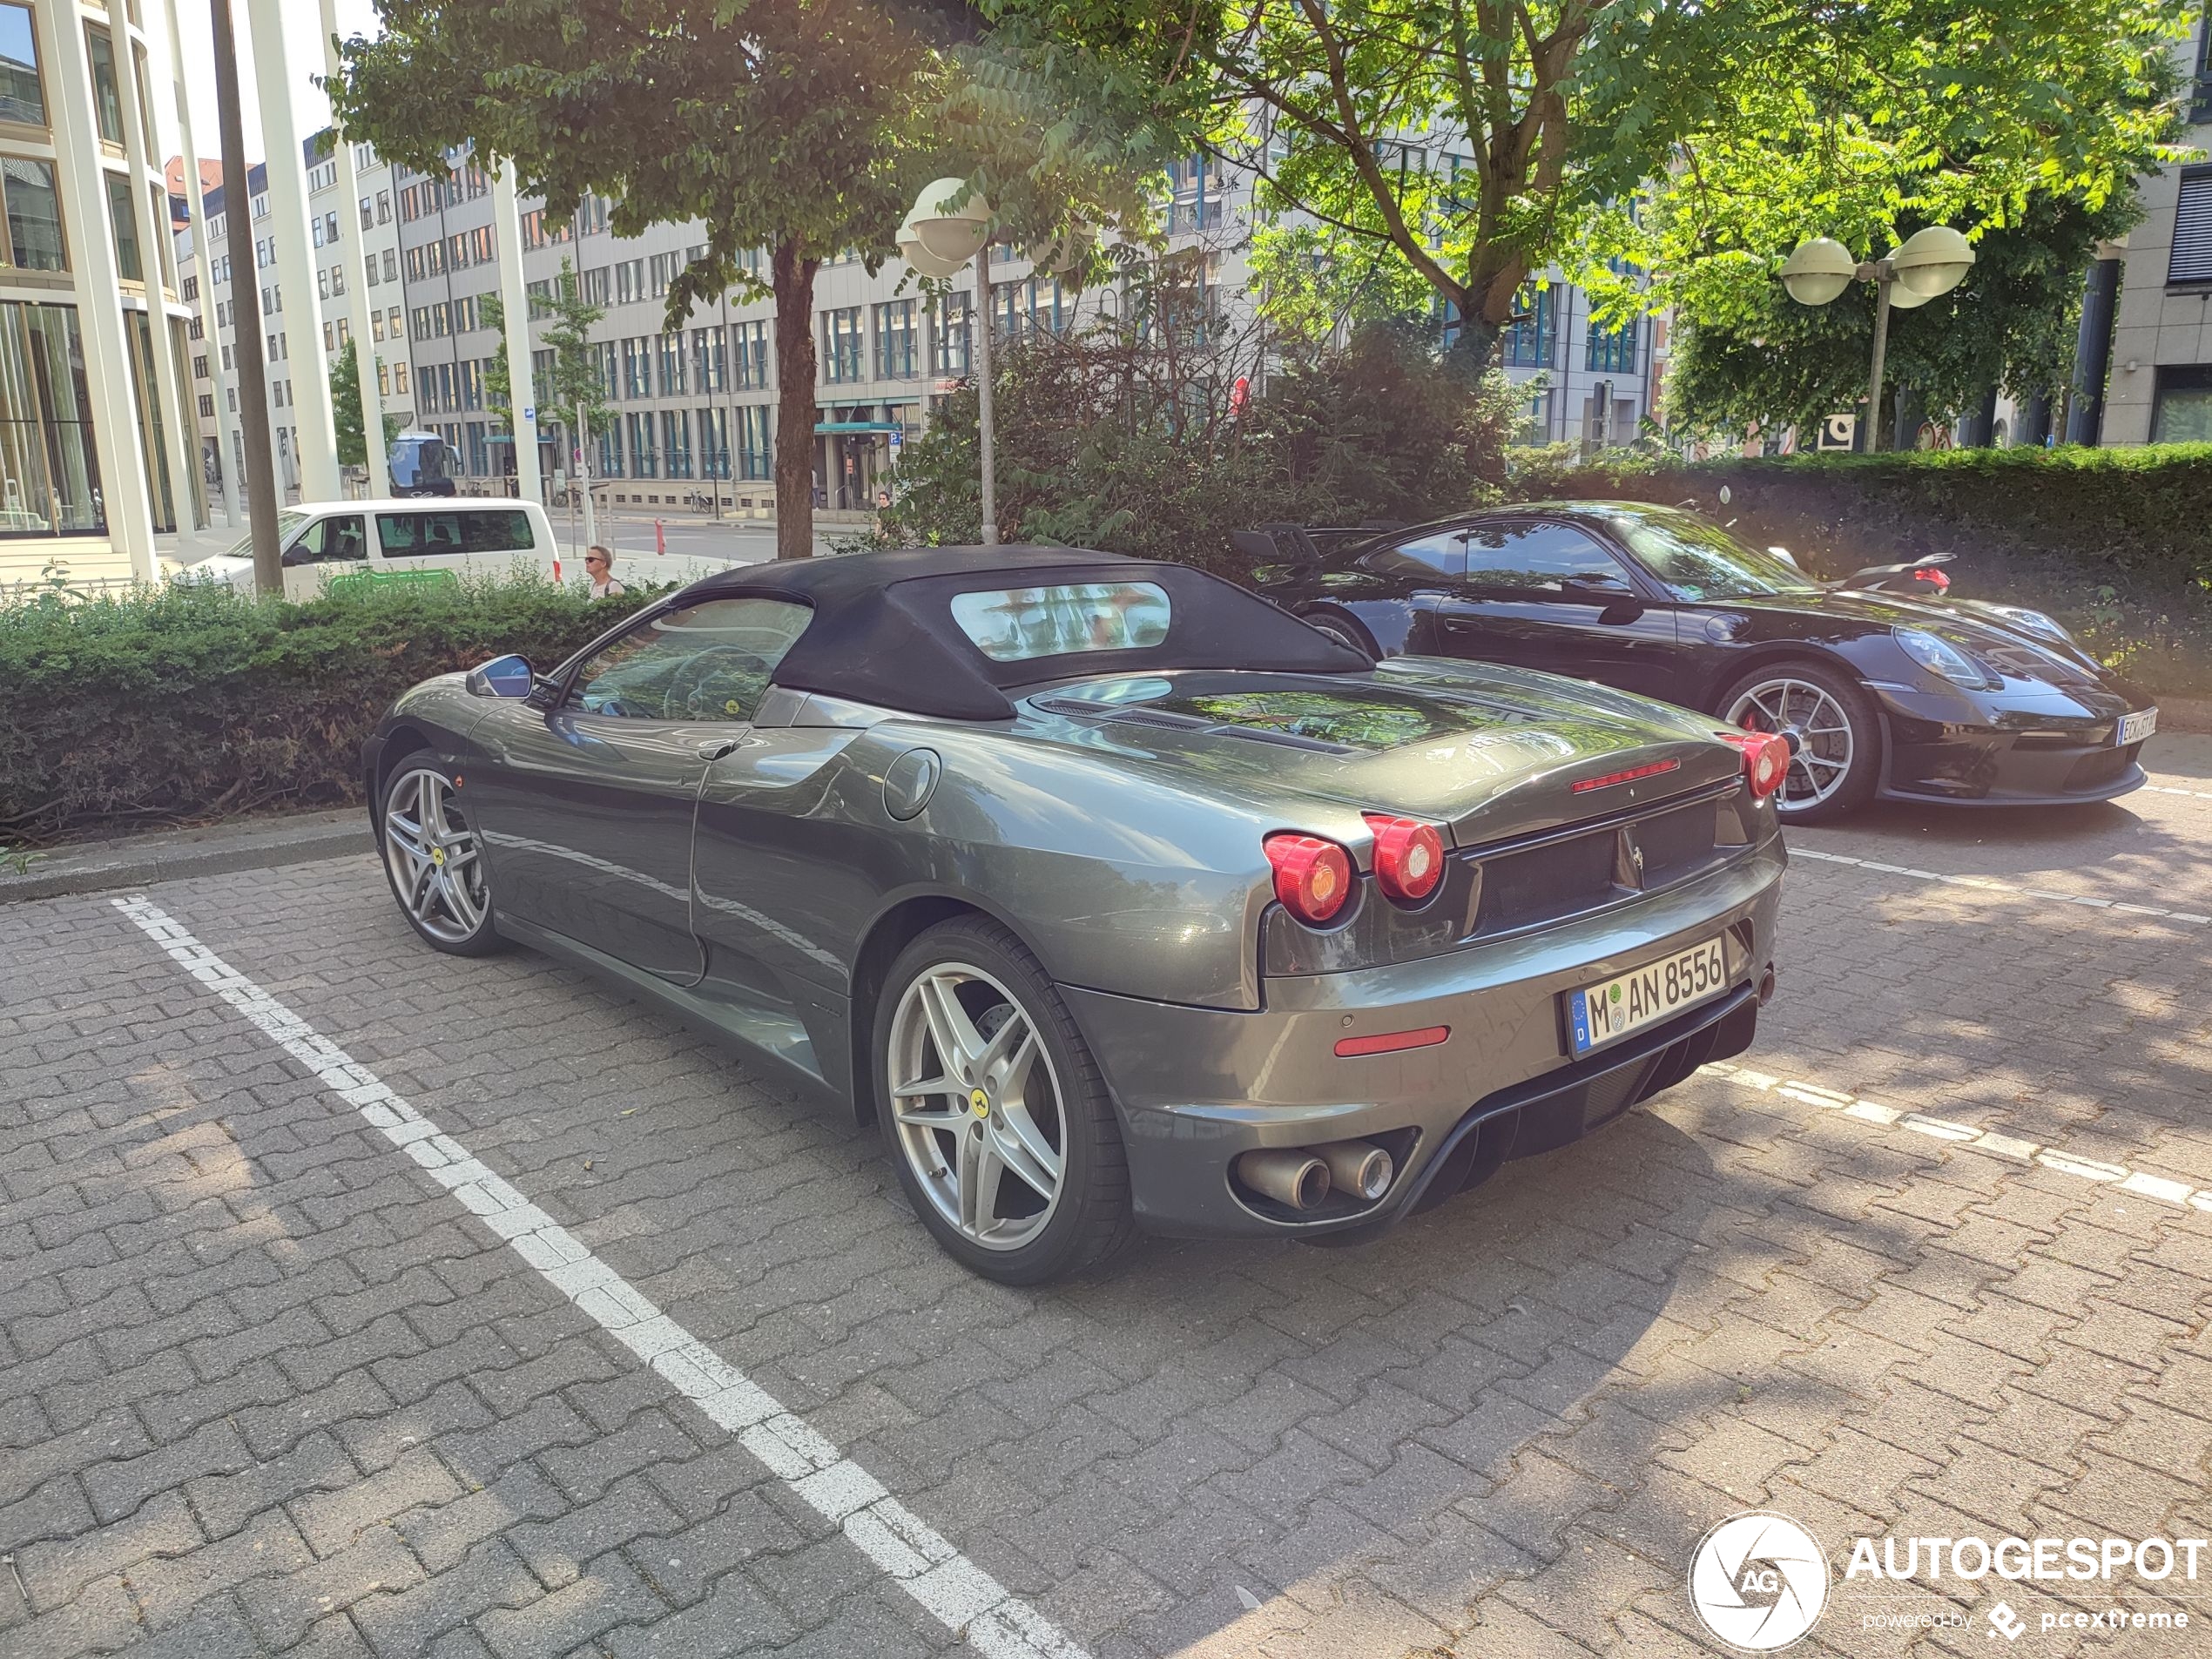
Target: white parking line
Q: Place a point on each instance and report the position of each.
(960, 1595)
(1990, 884)
(2169, 789)
(1965, 1136)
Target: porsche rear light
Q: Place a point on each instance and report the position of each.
(1312, 876)
(1766, 759)
(1409, 856)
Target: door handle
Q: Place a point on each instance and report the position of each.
(715, 748)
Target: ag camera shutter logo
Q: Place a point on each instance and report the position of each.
(1758, 1581)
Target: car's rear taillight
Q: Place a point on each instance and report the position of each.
(1766, 759)
(1409, 857)
(1312, 876)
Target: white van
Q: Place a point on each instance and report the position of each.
(467, 536)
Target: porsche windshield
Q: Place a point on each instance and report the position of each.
(1699, 562)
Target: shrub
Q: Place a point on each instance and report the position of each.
(1131, 445)
(2117, 542)
(182, 704)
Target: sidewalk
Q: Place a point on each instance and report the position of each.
(244, 844)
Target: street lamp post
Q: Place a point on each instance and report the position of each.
(1929, 264)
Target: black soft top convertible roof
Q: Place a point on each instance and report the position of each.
(883, 631)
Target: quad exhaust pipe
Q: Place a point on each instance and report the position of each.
(1302, 1176)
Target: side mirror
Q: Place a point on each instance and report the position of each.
(508, 676)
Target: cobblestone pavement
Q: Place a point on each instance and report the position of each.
(266, 1384)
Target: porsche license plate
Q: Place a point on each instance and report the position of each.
(2134, 728)
(1599, 1013)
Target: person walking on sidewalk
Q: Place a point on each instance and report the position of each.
(599, 565)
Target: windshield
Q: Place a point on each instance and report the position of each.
(1698, 561)
(287, 524)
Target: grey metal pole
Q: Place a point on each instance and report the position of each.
(982, 347)
(1883, 278)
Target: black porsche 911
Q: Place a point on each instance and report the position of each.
(1884, 694)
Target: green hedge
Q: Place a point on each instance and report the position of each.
(189, 704)
(2116, 542)
(2144, 512)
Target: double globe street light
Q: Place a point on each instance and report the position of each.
(951, 224)
(1928, 264)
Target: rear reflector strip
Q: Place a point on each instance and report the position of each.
(1392, 1041)
(1629, 776)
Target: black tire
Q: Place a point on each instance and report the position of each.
(1092, 1220)
(1343, 630)
(456, 927)
(1861, 774)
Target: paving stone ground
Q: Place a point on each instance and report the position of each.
(265, 1387)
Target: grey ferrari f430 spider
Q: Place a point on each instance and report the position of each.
(1117, 897)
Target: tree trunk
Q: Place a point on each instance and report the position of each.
(792, 280)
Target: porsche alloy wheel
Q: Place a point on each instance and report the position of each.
(1837, 743)
(1007, 1145)
(434, 863)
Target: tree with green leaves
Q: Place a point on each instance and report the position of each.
(1430, 152)
(574, 388)
(346, 415)
(802, 127)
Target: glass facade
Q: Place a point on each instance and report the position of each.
(152, 446)
(844, 350)
(949, 325)
(50, 474)
(107, 102)
(33, 215)
(1612, 352)
(898, 355)
(755, 458)
(749, 345)
(127, 263)
(20, 97)
(1531, 342)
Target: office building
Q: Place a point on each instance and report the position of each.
(94, 438)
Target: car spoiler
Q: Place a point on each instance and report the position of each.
(1304, 543)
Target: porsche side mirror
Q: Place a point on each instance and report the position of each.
(508, 676)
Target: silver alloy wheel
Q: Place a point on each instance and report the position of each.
(431, 851)
(977, 1102)
(1825, 746)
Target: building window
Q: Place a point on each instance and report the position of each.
(610, 449)
(645, 461)
(844, 351)
(391, 264)
(749, 344)
(399, 379)
(127, 264)
(714, 443)
(676, 441)
(207, 405)
(107, 105)
(898, 356)
(709, 367)
(1613, 351)
(50, 479)
(383, 379)
(21, 97)
(630, 284)
(950, 321)
(669, 353)
(33, 215)
(329, 338)
(1530, 342)
(2183, 412)
(755, 456)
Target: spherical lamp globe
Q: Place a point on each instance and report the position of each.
(1903, 296)
(1818, 271)
(1932, 262)
(947, 233)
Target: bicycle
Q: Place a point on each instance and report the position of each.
(700, 502)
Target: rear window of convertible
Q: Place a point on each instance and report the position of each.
(1015, 625)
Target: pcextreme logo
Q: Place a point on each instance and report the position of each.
(1758, 1581)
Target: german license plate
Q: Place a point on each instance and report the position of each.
(1601, 1014)
(2134, 728)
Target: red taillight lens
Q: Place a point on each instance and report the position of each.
(1312, 876)
(1766, 759)
(1935, 579)
(1409, 857)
